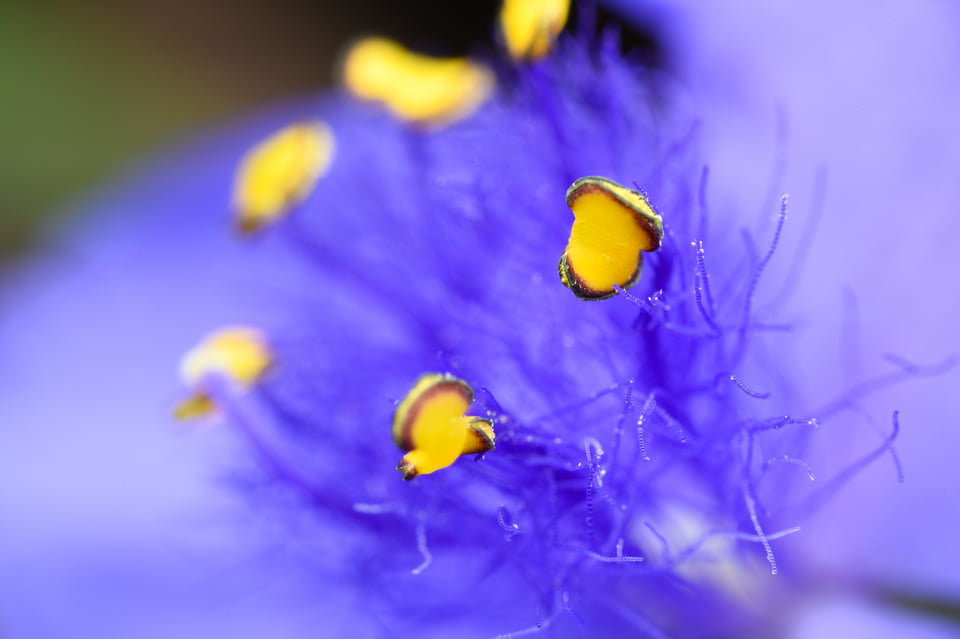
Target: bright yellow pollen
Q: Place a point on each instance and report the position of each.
(415, 88)
(279, 173)
(612, 225)
(236, 353)
(430, 424)
(530, 27)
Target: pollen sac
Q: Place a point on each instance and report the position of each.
(279, 173)
(430, 424)
(612, 225)
(530, 27)
(415, 88)
(238, 354)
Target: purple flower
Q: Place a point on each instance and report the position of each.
(659, 454)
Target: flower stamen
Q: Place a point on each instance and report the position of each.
(530, 27)
(613, 225)
(279, 173)
(431, 425)
(413, 87)
(238, 354)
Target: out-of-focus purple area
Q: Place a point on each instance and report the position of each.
(89, 87)
(865, 96)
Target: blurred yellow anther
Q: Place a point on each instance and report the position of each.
(529, 27)
(280, 172)
(431, 425)
(612, 225)
(238, 354)
(415, 88)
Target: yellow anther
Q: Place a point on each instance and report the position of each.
(415, 88)
(480, 436)
(530, 27)
(238, 354)
(612, 225)
(279, 173)
(431, 425)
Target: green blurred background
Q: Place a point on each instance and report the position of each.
(89, 86)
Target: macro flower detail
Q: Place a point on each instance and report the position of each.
(237, 354)
(667, 463)
(529, 27)
(414, 87)
(279, 173)
(613, 225)
(431, 425)
(631, 453)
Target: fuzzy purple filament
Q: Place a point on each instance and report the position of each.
(449, 243)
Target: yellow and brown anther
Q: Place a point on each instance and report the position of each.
(430, 424)
(613, 225)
